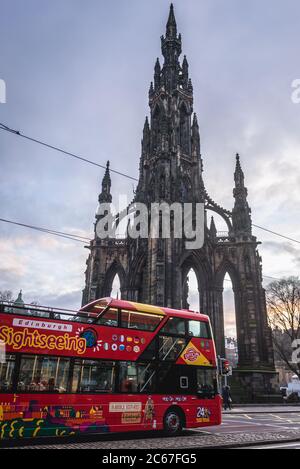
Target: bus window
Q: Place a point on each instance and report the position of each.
(175, 326)
(146, 378)
(43, 374)
(6, 373)
(109, 318)
(140, 321)
(170, 347)
(198, 329)
(93, 376)
(136, 377)
(128, 380)
(206, 383)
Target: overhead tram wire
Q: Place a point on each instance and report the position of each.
(72, 237)
(65, 152)
(60, 234)
(276, 234)
(85, 160)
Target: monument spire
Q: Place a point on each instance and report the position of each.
(171, 31)
(105, 195)
(241, 213)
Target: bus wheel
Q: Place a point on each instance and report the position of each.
(173, 422)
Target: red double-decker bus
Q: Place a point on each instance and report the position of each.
(114, 366)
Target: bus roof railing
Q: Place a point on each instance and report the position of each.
(89, 312)
(9, 307)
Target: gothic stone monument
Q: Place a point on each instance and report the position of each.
(155, 271)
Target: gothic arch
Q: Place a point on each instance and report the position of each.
(227, 267)
(114, 269)
(193, 261)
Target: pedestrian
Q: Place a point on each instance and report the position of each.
(227, 399)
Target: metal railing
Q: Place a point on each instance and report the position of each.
(46, 312)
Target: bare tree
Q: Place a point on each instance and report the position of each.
(6, 295)
(283, 301)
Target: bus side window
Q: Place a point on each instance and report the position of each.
(109, 318)
(198, 329)
(6, 373)
(206, 382)
(128, 377)
(175, 326)
(140, 321)
(43, 374)
(194, 328)
(93, 376)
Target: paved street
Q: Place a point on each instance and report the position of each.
(250, 422)
(274, 426)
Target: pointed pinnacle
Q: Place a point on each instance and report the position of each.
(171, 24)
(238, 163)
(157, 66)
(238, 174)
(106, 176)
(146, 125)
(213, 226)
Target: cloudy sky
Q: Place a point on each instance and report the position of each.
(77, 76)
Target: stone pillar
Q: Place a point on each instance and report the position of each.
(213, 307)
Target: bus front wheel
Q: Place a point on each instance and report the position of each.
(173, 422)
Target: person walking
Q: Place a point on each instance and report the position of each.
(227, 399)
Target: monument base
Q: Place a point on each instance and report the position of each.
(254, 386)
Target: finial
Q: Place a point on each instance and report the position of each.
(171, 24)
(195, 120)
(105, 195)
(238, 163)
(238, 174)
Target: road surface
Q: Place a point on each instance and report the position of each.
(242, 426)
